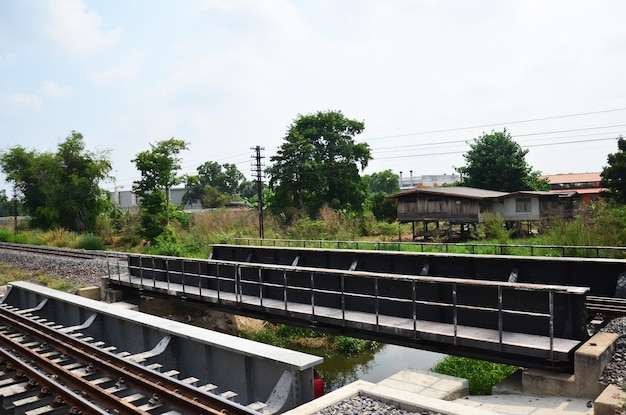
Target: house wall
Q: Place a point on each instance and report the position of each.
(527, 207)
(435, 207)
(518, 208)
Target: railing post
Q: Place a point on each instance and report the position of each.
(200, 279)
(167, 272)
(182, 274)
(454, 312)
(140, 270)
(153, 273)
(551, 300)
(414, 309)
(376, 305)
(285, 288)
(238, 283)
(500, 317)
(217, 281)
(261, 287)
(108, 266)
(343, 301)
(312, 296)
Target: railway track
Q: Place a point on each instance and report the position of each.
(62, 252)
(56, 370)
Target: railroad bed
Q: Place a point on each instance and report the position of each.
(62, 353)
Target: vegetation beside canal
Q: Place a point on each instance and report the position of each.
(482, 375)
(282, 335)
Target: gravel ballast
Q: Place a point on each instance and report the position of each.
(363, 405)
(80, 271)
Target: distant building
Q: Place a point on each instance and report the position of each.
(127, 200)
(587, 185)
(427, 180)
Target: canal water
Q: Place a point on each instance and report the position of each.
(339, 370)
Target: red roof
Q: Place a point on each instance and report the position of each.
(573, 178)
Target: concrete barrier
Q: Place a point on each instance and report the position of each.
(589, 362)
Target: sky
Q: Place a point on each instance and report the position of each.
(426, 77)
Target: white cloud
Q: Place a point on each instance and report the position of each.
(125, 72)
(53, 90)
(77, 30)
(19, 100)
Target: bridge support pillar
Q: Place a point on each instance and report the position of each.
(589, 363)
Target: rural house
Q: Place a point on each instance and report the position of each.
(465, 206)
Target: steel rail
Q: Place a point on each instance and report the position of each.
(178, 395)
(40, 372)
(62, 252)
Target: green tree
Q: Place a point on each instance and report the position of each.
(213, 198)
(384, 208)
(159, 168)
(496, 162)
(6, 205)
(385, 181)
(213, 182)
(319, 164)
(614, 175)
(60, 189)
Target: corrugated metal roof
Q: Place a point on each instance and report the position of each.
(586, 191)
(573, 178)
(531, 193)
(459, 191)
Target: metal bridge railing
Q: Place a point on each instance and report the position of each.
(461, 248)
(225, 281)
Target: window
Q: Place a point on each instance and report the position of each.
(523, 204)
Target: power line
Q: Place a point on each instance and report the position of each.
(463, 151)
(500, 123)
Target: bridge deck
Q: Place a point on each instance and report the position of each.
(406, 331)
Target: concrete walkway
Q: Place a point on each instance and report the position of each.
(417, 390)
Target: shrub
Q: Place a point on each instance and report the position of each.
(6, 235)
(90, 242)
(494, 227)
(352, 346)
(482, 375)
(167, 243)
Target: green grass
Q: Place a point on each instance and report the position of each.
(9, 274)
(282, 335)
(482, 375)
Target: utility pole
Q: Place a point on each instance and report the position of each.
(14, 210)
(258, 169)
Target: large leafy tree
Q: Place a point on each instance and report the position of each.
(318, 164)
(384, 181)
(213, 184)
(60, 189)
(496, 162)
(159, 168)
(614, 175)
(8, 205)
